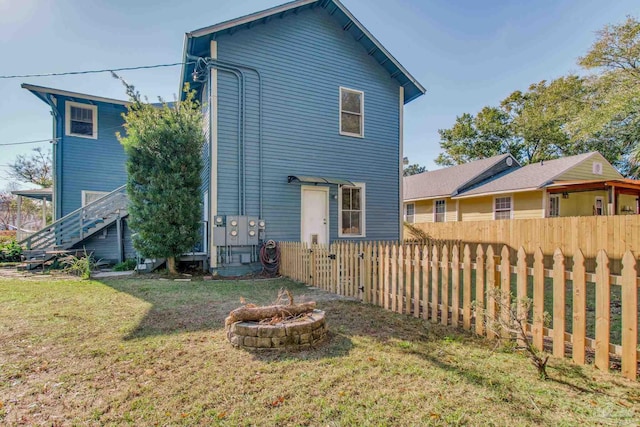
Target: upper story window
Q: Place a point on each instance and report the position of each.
(409, 214)
(502, 208)
(351, 208)
(439, 210)
(351, 112)
(81, 120)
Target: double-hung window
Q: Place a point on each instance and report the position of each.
(352, 211)
(502, 208)
(81, 120)
(439, 210)
(410, 210)
(351, 112)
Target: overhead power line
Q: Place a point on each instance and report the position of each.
(28, 142)
(70, 73)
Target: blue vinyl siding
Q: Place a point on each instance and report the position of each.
(304, 59)
(89, 164)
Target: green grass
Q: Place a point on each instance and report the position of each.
(153, 352)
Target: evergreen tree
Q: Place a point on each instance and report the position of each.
(163, 147)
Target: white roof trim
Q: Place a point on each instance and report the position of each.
(61, 92)
(492, 193)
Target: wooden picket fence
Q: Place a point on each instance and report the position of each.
(449, 284)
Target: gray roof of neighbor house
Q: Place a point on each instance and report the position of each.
(532, 176)
(447, 181)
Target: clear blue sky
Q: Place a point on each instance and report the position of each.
(467, 53)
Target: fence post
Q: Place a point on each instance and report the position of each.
(416, 281)
(491, 293)
(579, 308)
(505, 288)
(444, 312)
(466, 288)
(385, 295)
(400, 284)
(629, 316)
(313, 267)
(455, 286)
(538, 300)
(435, 271)
(425, 282)
(521, 288)
(480, 330)
(407, 280)
(603, 307)
(558, 303)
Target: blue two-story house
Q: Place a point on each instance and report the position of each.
(304, 123)
(303, 132)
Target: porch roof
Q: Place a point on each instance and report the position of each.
(624, 184)
(36, 193)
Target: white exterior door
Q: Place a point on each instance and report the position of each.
(315, 215)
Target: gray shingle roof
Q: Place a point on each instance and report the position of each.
(445, 182)
(534, 175)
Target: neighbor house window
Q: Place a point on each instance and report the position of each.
(439, 210)
(598, 207)
(92, 196)
(351, 112)
(554, 206)
(352, 211)
(409, 214)
(82, 120)
(502, 208)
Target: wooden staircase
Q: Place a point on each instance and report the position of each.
(75, 227)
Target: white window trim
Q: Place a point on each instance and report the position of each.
(445, 209)
(510, 204)
(555, 196)
(363, 204)
(67, 129)
(355, 135)
(406, 215)
(85, 193)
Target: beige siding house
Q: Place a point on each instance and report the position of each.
(499, 188)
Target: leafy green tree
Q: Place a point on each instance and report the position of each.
(566, 116)
(614, 106)
(33, 169)
(413, 169)
(164, 161)
(471, 138)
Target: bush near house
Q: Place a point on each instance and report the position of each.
(10, 251)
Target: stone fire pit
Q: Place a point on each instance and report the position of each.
(301, 333)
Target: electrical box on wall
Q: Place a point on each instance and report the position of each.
(252, 230)
(233, 231)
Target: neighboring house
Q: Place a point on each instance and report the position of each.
(303, 130)
(305, 118)
(499, 188)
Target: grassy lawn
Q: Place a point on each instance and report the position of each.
(152, 352)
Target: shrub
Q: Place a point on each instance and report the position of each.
(10, 251)
(81, 266)
(126, 265)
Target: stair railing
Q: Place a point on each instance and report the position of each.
(73, 224)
